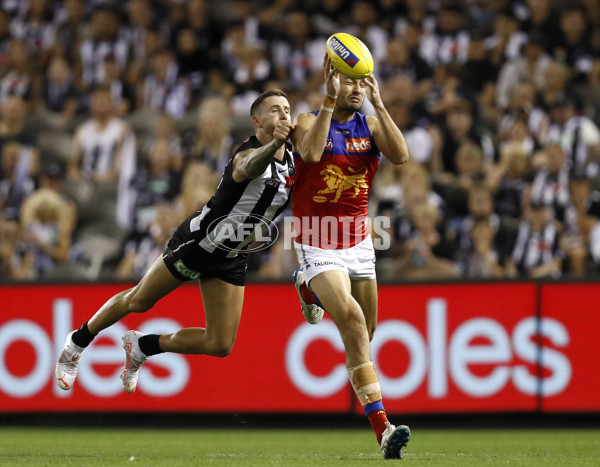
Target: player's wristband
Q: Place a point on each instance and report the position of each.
(331, 97)
(326, 109)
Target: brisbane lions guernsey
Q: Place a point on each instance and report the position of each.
(330, 198)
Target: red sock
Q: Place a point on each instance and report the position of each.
(307, 295)
(378, 419)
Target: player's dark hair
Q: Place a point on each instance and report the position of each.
(260, 99)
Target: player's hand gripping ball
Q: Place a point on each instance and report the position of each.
(349, 55)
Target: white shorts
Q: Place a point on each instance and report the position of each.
(358, 261)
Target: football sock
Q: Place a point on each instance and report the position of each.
(149, 344)
(376, 414)
(365, 383)
(309, 296)
(83, 337)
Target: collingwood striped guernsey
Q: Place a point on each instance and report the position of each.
(238, 212)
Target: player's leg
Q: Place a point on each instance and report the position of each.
(156, 283)
(223, 309)
(364, 292)
(390, 438)
(334, 290)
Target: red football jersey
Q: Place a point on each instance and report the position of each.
(330, 199)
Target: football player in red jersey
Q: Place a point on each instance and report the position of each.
(336, 154)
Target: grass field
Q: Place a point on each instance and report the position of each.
(247, 447)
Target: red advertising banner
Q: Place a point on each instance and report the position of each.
(451, 347)
(438, 348)
(570, 338)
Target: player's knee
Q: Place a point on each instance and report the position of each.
(353, 324)
(221, 348)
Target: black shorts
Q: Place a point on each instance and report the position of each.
(187, 260)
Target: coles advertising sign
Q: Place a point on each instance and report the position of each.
(438, 348)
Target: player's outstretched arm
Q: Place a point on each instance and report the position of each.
(251, 163)
(310, 135)
(387, 135)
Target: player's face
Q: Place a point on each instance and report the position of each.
(352, 93)
(274, 109)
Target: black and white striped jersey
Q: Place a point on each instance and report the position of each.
(536, 247)
(239, 212)
(576, 137)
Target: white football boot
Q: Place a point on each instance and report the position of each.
(312, 313)
(134, 360)
(393, 439)
(66, 367)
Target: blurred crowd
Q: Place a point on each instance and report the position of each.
(118, 117)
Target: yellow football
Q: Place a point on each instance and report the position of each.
(349, 55)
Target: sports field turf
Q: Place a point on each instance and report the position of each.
(258, 447)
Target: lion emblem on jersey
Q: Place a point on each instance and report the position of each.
(337, 182)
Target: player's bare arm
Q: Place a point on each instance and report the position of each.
(387, 135)
(253, 162)
(310, 136)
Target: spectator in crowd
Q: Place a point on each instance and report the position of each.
(574, 45)
(425, 254)
(580, 217)
(140, 20)
(419, 141)
(506, 41)
(578, 136)
(104, 39)
(523, 106)
(481, 207)
(16, 181)
(556, 82)
(60, 98)
(206, 28)
(211, 142)
(469, 171)
(103, 159)
(460, 128)
(400, 61)
(365, 22)
(162, 89)
(509, 180)
(47, 228)
(165, 130)
(483, 261)
(550, 185)
(191, 61)
(537, 252)
(37, 30)
(449, 42)
(250, 75)
(98, 144)
(155, 183)
(12, 122)
(121, 92)
(18, 78)
(71, 29)
(16, 258)
(143, 247)
(530, 66)
(298, 54)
